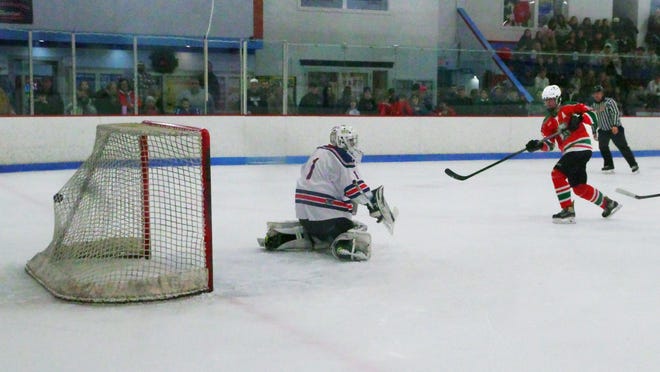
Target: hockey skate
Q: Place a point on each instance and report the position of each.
(611, 207)
(608, 169)
(565, 216)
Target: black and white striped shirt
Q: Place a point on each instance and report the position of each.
(607, 113)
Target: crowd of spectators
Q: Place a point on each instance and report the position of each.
(572, 53)
(579, 54)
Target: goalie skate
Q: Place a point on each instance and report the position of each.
(285, 236)
(389, 215)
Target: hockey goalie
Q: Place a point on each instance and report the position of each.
(328, 193)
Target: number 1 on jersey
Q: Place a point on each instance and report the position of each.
(311, 169)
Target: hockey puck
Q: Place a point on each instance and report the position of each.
(58, 198)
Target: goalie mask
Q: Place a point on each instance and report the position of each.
(345, 137)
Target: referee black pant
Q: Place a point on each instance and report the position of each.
(619, 139)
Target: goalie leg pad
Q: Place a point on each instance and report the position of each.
(285, 236)
(353, 245)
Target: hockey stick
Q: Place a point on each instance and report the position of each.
(633, 195)
(459, 177)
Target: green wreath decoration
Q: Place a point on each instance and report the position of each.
(164, 61)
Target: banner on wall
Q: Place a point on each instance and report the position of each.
(16, 11)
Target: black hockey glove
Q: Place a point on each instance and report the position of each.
(574, 123)
(534, 145)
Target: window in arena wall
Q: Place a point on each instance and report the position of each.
(518, 13)
(377, 5)
(532, 13)
(548, 9)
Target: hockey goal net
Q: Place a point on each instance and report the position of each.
(134, 221)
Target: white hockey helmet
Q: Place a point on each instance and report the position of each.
(550, 92)
(345, 137)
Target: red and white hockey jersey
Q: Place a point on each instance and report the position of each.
(578, 140)
(328, 182)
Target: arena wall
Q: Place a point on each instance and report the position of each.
(35, 143)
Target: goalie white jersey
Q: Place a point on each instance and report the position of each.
(328, 185)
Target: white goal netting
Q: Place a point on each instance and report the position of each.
(134, 222)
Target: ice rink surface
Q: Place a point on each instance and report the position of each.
(475, 278)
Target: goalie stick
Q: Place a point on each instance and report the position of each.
(389, 215)
(459, 177)
(633, 195)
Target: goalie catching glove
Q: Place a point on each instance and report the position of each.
(374, 211)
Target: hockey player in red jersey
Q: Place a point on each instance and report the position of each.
(575, 145)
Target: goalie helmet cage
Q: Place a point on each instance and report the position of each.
(134, 221)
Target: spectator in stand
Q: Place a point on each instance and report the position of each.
(367, 104)
(344, 101)
(606, 82)
(328, 101)
(526, 42)
(635, 100)
(47, 101)
(597, 43)
(575, 81)
(652, 37)
(587, 28)
(352, 107)
(84, 104)
(150, 107)
(214, 85)
(5, 105)
(562, 30)
(84, 87)
(484, 98)
(444, 109)
(474, 96)
(613, 42)
(605, 28)
(540, 82)
(596, 58)
(548, 40)
(420, 90)
(197, 97)
(527, 78)
(311, 102)
(573, 23)
(581, 40)
(482, 103)
(126, 97)
(418, 108)
(275, 98)
(145, 81)
(185, 108)
(400, 107)
(107, 100)
(569, 43)
(461, 98)
(653, 92)
(385, 102)
(257, 100)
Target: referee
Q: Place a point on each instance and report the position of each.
(609, 128)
